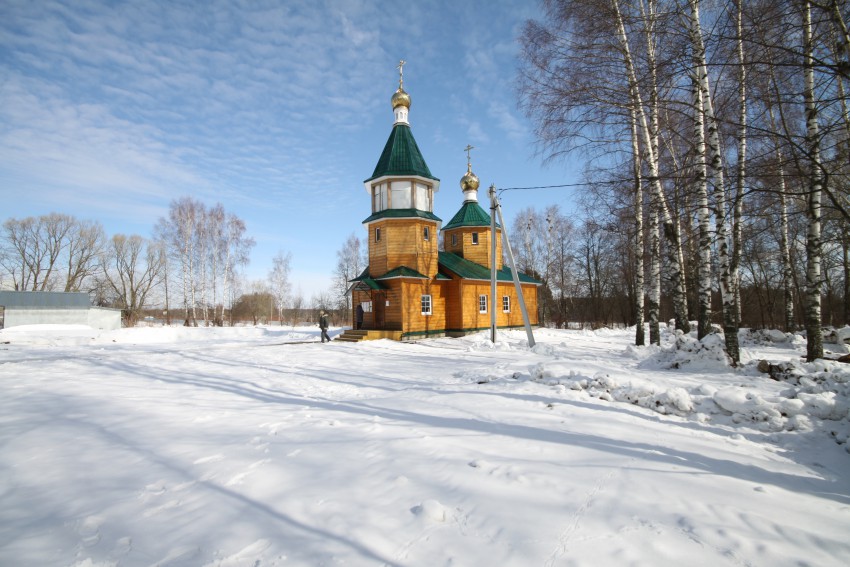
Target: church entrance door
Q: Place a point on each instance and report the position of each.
(379, 302)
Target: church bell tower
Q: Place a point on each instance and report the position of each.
(402, 228)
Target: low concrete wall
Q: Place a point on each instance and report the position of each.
(95, 317)
(104, 318)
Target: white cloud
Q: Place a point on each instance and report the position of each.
(476, 133)
(507, 120)
(264, 105)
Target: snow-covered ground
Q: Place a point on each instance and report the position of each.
(228, 447)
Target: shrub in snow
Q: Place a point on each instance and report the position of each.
(687, 351)
(783, 371)
(543, 349)
(540, 373)
(675, 401)
(764, 336)
(745, 405)
(837, 336)
(824, 405)
(818, 396)
(820, 390)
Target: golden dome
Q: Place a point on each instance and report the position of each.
(401, 98)
(469, 182)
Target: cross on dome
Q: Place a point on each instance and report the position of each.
(400, 99)
(400, 68)
(469, 182)
(468, 149)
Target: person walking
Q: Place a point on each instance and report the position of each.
(323, 325)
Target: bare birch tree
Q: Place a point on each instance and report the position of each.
(701, 181)
(715, 167)
(814, 333)
(640, 285)
(671, 233)
(207, 248)
(279, 285)
(233, 249)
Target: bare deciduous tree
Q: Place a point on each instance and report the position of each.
(132, 267)
(350, 263)
(207, 246)
(279, 280)
(51, 252)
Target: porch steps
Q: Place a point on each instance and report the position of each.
(353, 336)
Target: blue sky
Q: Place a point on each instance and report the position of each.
(276, 109)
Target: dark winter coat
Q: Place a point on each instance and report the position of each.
(323, 321)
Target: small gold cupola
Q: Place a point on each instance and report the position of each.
(400, 99)
(469, 182)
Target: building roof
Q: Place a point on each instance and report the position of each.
(401, 156)
(402, 272)
(469, 270)
(470, 214)
(364, 282)
(402, 214)
(53, 299)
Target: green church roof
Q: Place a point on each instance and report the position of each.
(469, 270)
(402, 214)
(401, 156)
(364, 282)
(470, 214)
(402, 272)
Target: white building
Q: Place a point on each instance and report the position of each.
(54, 308)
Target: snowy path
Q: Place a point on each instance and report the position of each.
(235, 451)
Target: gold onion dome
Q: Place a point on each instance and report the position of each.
(401, 98)
(469, 182)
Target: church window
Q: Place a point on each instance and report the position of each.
(482, 304)
(400, 195)
(377, 234)
(426, 233)
(454, 239)
(422, 197)
(475, 238)
(426, 304)
(379, 197)
(506, 304)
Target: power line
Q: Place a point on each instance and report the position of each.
(544, 187)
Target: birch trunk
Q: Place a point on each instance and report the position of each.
(165, 262)
(730, 327)
(785, 251)
(814, 337)
(843, 34)
(669, 227)
(640, 332)
(788, 283)
(845, 245)
(738, 208)
(701, 182)
(654, 300)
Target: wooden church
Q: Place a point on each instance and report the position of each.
(412, 288)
